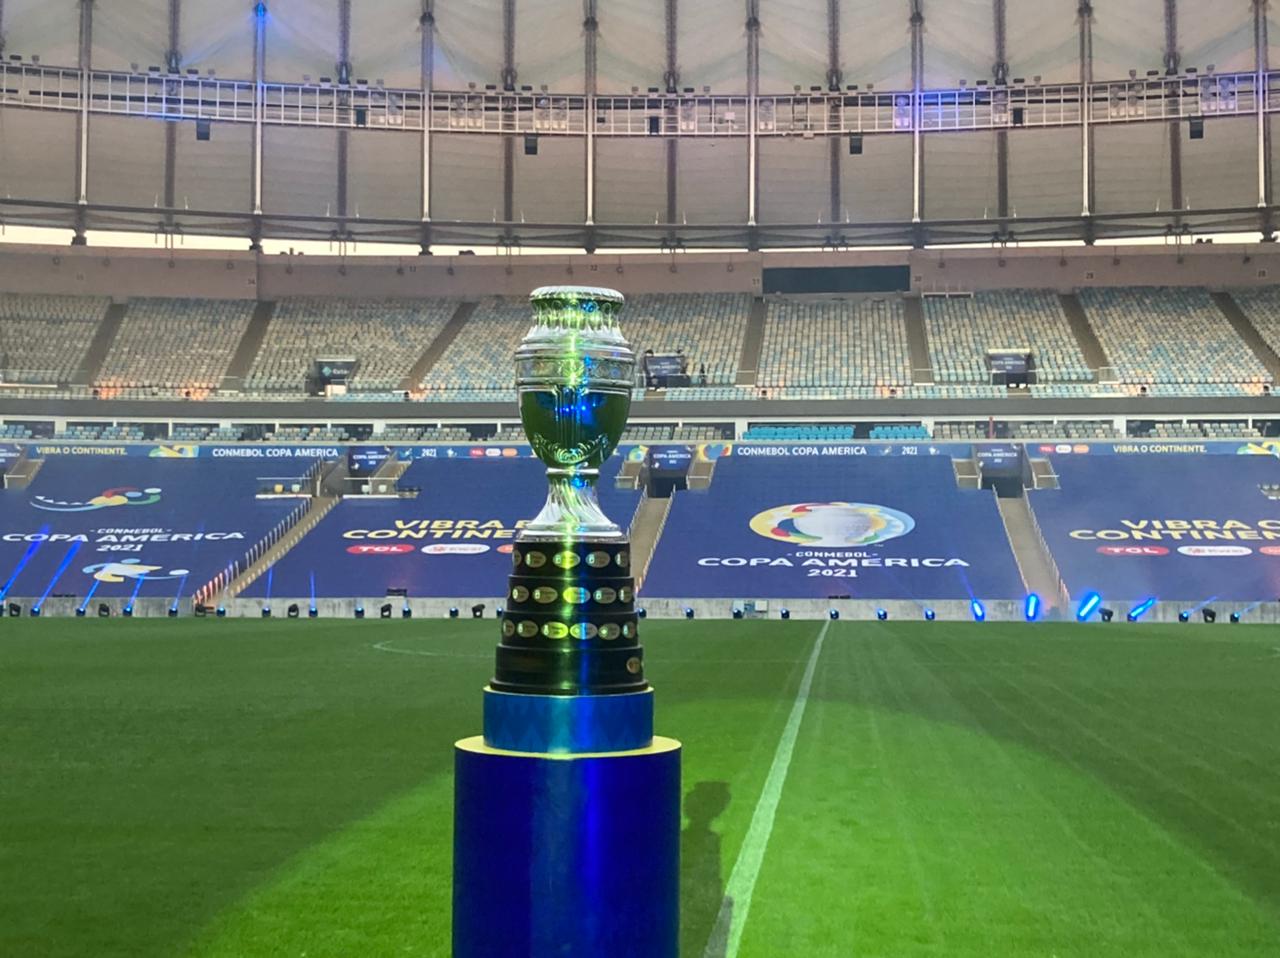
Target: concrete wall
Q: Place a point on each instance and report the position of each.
(121, 273)
(858, 610)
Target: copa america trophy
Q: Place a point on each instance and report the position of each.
(567, 808)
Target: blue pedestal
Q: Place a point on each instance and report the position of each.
(566, 855)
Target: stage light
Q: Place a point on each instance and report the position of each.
(201, 610)
(360, 612)
(785, 613)
(477, 611)
(15, 610)
(641, 613)
(453, 612)
(293, 611)
(497, 613)
(1184, 616)
(688, 612)
(882, 614)
(1087, 606)
(406, 612)
(127, 611)
(737, 612)
(834, 614)
(104, 610)
(979, 610)
(930, 615)
(222, 612)
(1235, 618)
(1106, 614)
(313, 612)
(1032, 607)
(173, 611)
(1138, 611)
(266, 611)
(80, 612)
(35, 612)
(1209, 616)
(384, 611)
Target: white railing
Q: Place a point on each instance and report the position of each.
(815, 113)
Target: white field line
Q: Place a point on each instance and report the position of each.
(726, 936)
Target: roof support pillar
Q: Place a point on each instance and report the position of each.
(833, 85)
(1260, 42)
(173, 62)
(85, 61)
(509, 45)
(1, 27)
(259, 104)
(1171, 65)
(1085, 14)
(753, 96)
(671, 83)
(590, 71)
(508, 139)
(344, 99)
(835, 78)
(1000, 73)
(917, 139)
(427, 27)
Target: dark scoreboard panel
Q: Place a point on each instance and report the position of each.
(365, 460)
(999, 459)
(670, 460)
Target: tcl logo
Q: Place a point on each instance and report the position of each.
(380, 549)
(1215, 550)
(1133, 551)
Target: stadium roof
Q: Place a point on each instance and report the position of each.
(639, 123)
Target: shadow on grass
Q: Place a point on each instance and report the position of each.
(700, 879)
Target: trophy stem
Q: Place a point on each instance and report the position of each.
(572, 508)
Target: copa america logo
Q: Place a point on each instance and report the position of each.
(832, 525)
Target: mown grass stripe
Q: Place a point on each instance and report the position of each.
(726, 934)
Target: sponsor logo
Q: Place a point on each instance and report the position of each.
(1080, 450)
(1203, 551)
(123, 496)
(832, 525)
(492, 453)
(1270, 550)
(1267, 447)
(711, 451)
(455, 548)
(510, 453)
(1062, 448)
(505, 549)
(174, 452)
(476, 452)
(1046, 449)
(1133, 551)
(130, 569)
(380, 549)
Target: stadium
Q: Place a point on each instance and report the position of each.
(950, 482)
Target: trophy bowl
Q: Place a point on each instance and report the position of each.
(574, 376)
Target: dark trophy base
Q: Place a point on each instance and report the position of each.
(567, 810)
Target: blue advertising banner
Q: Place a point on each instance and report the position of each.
(1190, 527)
(131, 526)
(879, 527)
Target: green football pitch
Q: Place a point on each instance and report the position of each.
(283, 788)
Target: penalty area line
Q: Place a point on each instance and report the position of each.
(726, 935)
